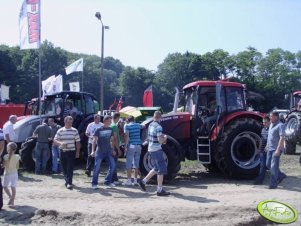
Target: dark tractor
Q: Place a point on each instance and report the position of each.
(53, 106)
(293, 124)
(215, 129)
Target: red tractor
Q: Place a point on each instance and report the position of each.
(293, 124)
(215, 128)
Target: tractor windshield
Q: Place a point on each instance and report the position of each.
(52, 106)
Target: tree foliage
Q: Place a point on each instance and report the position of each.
(273, 74)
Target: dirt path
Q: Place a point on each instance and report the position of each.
(198, 198)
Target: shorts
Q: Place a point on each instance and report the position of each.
(133, 156)
(10, 179)
(157, 158)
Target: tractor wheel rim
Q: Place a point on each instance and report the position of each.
(149, 164)
(245, 150)
(291, 126)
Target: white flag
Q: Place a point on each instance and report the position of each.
(52, 85)
(75, 66)
(30, 24)
(74, 86)
(4, 92)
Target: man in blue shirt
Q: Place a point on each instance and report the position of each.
(155, 139)
(132, 149)
(275, 144)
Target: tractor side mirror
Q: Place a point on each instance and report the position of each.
(286, 96)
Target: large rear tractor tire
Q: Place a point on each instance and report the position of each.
(26, 153)
(290, 147)
(292, 132)
(237, 153)
(171, 155)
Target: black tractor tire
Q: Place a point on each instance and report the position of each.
(26, 153)
(171, 151)
(290, 147)
(293, 127)
(237, 152)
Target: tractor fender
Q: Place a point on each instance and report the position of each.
(231, 117)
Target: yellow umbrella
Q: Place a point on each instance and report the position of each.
(129, 111)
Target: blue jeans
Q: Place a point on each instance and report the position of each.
(41, 154)
(99, 157)
(114, 176)
(55, 156)
(263, 168)
(273, 164)
(67, 163)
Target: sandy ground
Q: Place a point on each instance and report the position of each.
(198, 198)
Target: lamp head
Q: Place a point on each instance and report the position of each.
(98, 15)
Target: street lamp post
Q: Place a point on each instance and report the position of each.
(103, 28)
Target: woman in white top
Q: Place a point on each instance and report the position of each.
(11, 166)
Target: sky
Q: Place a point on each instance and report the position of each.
(143, 32)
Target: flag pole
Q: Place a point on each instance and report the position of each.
(83, 80)
(40, 85)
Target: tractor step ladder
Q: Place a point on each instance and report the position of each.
(203, 150)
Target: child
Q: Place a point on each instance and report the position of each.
(11, 166)
(263, 154)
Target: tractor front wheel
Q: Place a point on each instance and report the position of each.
(292, 132)
(237, 153)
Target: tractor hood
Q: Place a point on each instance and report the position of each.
(176, 125)
(25, 126)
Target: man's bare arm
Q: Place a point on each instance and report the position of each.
(280, 146)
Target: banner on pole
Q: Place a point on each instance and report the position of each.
(30, 24)
(52, 85)
(148, 97)
(75, 66)
(74, 86)
(4, 92)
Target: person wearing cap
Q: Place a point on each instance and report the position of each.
(102, 149)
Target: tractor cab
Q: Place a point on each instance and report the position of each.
(296, 101)
(209, 101)
(76, 104)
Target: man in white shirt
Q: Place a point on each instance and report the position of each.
(8, 129)
(91, 128)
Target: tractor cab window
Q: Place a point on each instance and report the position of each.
(89, 104)
(52, 106)
(73, 107)
(235, 99)
(297, 102)
(191, 101)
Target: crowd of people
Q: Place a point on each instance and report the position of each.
(104, 142)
